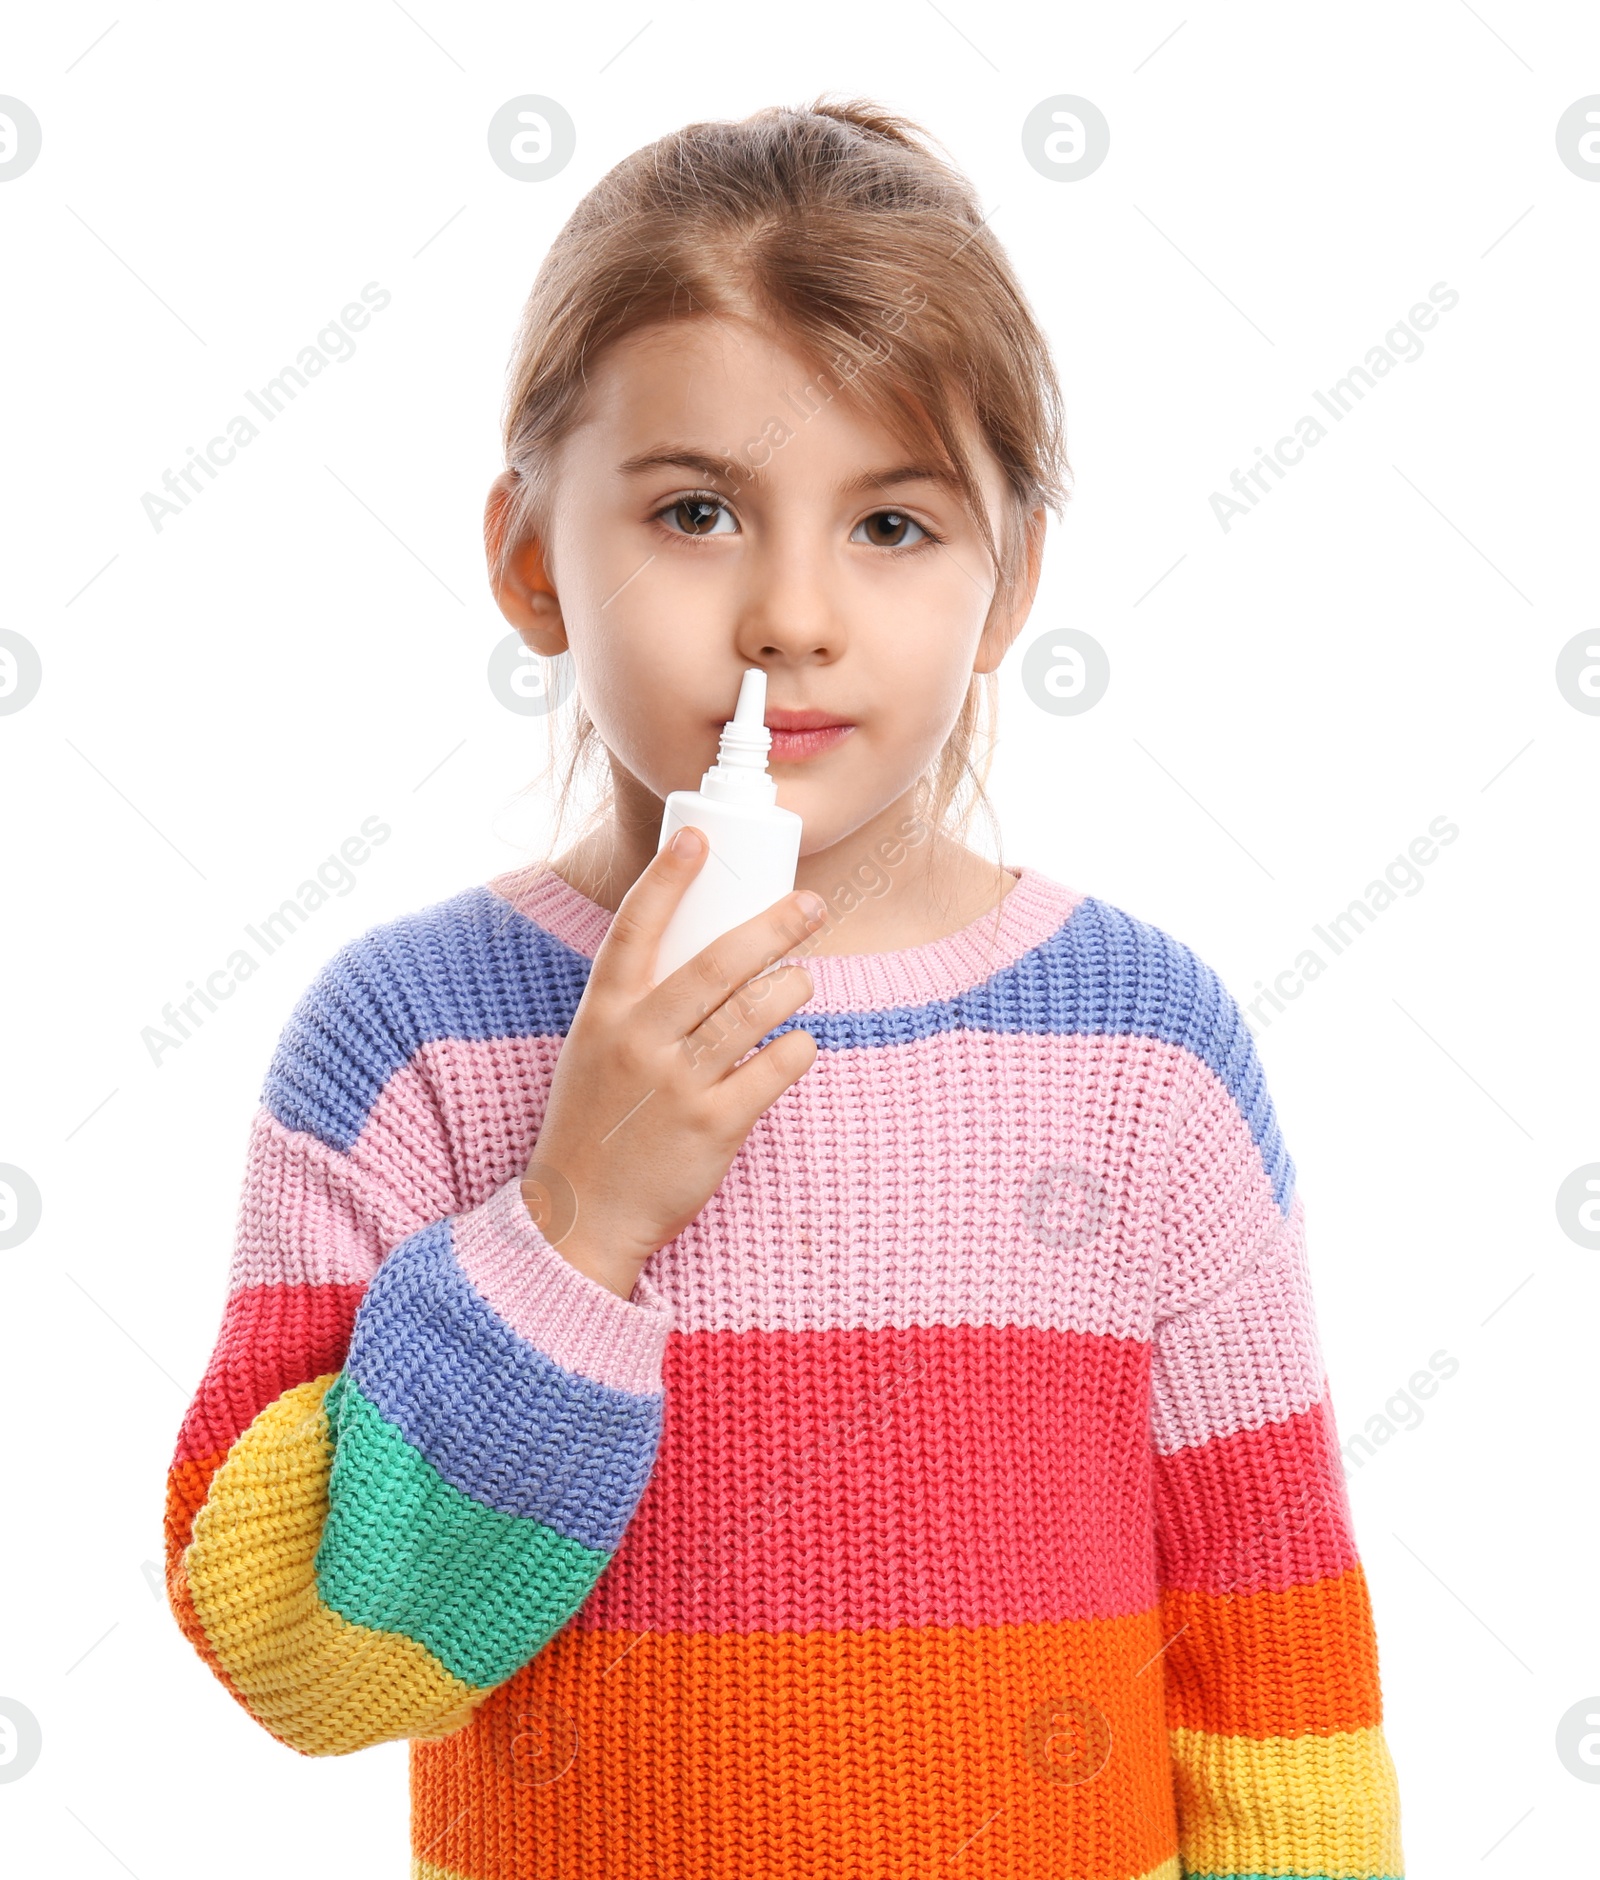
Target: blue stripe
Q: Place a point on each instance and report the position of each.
(471, 967)
(474, 968)
(1102, 972)
(496, 1417)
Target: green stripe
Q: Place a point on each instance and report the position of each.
(405, 1551)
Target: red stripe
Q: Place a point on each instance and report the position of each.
(945, 1475)
(1258, 1511)
(272, 1338)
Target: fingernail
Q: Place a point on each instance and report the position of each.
(684, 842)
(813, 907)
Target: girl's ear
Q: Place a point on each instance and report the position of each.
(1008, 613)
(522, 588)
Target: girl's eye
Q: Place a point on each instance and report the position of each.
(887, 529)
(702, 514)
(696, 515)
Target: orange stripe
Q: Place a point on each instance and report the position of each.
(886, 1753)
(426, 1870)
(1229, 1654)
(188, 1484)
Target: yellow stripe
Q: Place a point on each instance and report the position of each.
(325, 1686)
(1287, 1804)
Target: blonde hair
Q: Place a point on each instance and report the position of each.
(836, 225)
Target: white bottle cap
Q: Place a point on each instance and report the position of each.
(740, 774)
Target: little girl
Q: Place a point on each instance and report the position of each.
(854, 1406)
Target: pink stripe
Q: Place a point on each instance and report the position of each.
(1027, 915)
(574, 1320)
(1049, 1221)
(927, 1476)
(1015, 1199)
(1222, 1212)
(447, 1130)
(1005, 1189)
(311, 1216)
(1259, 1511)
(1247, 1358)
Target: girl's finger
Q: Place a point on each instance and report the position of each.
(758, 1084)
(733, 970)
(744, 1018)
(626, 956)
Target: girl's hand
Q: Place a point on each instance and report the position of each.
(645, 1111)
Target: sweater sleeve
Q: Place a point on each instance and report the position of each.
(1274, 1710)
(422, 1431)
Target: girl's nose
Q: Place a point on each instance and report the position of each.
(794, 606)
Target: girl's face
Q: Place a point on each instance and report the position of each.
(702, 523)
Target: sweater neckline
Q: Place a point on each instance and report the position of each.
(954, 963)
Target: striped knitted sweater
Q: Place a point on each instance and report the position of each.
(961, 1484)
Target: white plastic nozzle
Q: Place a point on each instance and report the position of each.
(740, 773)
(751, 711)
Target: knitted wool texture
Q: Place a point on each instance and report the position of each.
(961, 1484)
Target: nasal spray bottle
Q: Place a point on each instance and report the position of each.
(755, 845)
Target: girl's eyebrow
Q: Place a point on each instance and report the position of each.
(713, 469)
(735, 474)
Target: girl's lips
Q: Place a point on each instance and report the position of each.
(789, 746)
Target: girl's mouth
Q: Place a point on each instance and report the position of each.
(797, 735)
(790, 746)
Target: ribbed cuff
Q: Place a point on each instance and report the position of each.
(582, 1325)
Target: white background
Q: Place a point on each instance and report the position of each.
(1374, 646)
